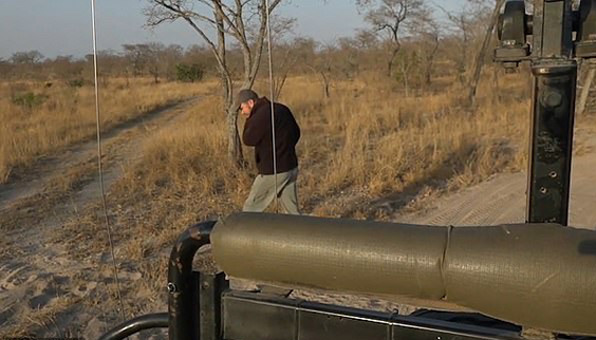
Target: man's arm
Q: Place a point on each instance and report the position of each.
(255, 129)
(295, 128)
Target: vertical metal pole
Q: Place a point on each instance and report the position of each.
(551, 138)
(211, 288)
(182, 285)
(99, 164)
(272, 95)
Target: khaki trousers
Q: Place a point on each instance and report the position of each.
(263, 192)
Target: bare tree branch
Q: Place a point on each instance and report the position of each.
(388, 16)
(227, 18)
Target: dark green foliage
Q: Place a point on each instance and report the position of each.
(76, 82)
(29, 100)
(189, 73)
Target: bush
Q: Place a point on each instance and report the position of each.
(29, 99)
(76, 83)
(189, 73)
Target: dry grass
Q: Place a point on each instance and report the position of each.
(366, 142)
(371, 140)
(36, 320)
(61, 114)
(365, 145)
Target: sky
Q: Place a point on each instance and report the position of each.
(63, 27)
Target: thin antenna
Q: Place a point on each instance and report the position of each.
(272, 94)
(99, 165)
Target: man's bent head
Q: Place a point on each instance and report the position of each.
(245, 101)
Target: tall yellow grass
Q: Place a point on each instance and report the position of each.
(365, 140)
(68, 114)
(364, 144)
(386, 141)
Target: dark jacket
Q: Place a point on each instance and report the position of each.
(257, 133)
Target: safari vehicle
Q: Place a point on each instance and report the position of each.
(533, 280)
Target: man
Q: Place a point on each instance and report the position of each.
(257, 133)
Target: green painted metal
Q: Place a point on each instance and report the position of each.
(252, 316)
(551, 143)
(555, 75)
(538, 275)
(332, 253)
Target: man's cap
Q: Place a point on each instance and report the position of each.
(244, 96)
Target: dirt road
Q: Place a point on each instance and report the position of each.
(502, 199)
(44, 283)
(40, 278)
(34, 180)
(499, 200)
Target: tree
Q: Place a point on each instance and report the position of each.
(113, 63)
(308, 58)
(427, 32)
(232, 19)
(387, 16)
(189, 73)
(289, 54)
(30, 57)
(406, 61)
(473, 25)
(481, 55)
(461, 26)
(65, 67)
(5, 69)
(138, 56)
(346, 60)
(152, 58)
(169, 57)
(200, 54)
(155, 52)
(312, 57)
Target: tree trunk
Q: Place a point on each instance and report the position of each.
(496, 87)
(390, 62)
(279, 85)
(479, 62)
(228, 19)
(406, 84)
(430, 60)
(234, 147)
(325, 85)
(428, 75)
(324, 80)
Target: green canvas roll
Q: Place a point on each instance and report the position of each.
(333, 254)
(541, 276)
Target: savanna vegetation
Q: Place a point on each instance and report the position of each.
(390, 116)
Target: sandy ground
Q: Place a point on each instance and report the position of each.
(499, 200)
(502, 199)
(40, 276)
(35, 179)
